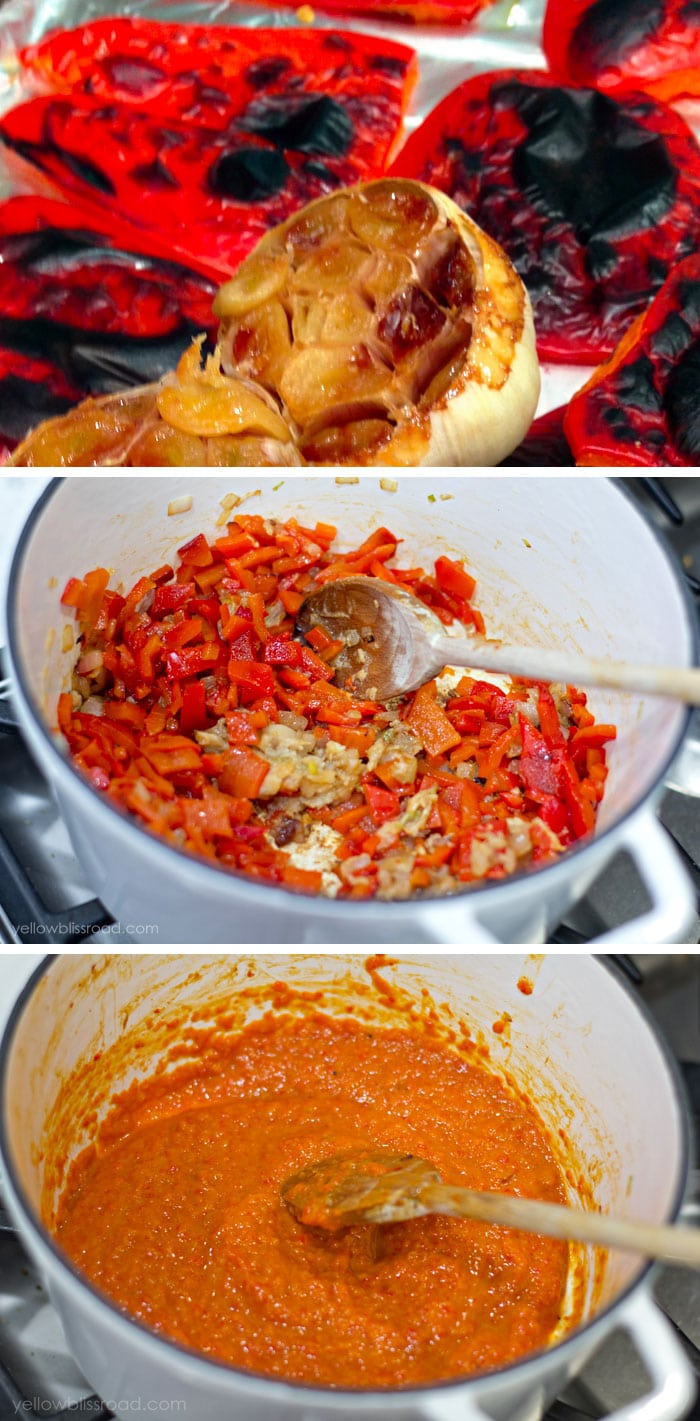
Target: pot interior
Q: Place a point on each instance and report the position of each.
(558, 561)
(576, 1043)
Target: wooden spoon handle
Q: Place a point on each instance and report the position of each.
(544, 664)
(667, 1241)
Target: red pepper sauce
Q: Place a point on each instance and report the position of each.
(177, 1217)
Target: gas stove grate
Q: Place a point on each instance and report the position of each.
(14, 1403)
(658, 491)
(21, 904)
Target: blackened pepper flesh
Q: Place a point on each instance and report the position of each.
(587, 161)
(611, 30)
(642, 408)
(595, 199)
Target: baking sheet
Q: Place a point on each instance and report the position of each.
(504, 35)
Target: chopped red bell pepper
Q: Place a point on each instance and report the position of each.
(282, 651)
(191, 660)
(241, 727)
(552, 811)
(581, 811)
(549, 717)
(87, 597)
(252, 679)
(197, 552)
(210, 816)
(190, 728)
(193, 713)
(244, 646)
(243, 773)
(593, 737)
(429, 722)
(168, 599)
(451, 577)
(540, 763)
(383, 803)
(171, 754)
(306, 880)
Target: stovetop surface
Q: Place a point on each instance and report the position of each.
(38, 1377)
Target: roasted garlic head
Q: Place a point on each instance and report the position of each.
(390, 328)
(376, 326)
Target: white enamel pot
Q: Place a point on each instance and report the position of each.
(580, 1044)
(563, 560)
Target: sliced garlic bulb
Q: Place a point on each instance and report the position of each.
(377, 326)
(390, 328)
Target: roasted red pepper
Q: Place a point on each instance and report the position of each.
(210, 135)
(540, 762)
(193, 714)
(383, 803)
(84, 311)
(209, 74)
(595, 199)
(452, 577)
(545, 444)
(622, 45)
(643, 406)
(417, 12)
(430, 724)
(32, 388)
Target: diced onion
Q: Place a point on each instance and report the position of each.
(90, 661)
(180, 505)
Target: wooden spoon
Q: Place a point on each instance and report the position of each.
(393, 644)
(377, 1187)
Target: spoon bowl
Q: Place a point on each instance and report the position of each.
(388, 635)
(393, 643)
(375, 1186)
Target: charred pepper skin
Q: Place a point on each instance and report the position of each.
(622, 45)
(641, 408)
(545, 444)
(595, 199)
(85, 311)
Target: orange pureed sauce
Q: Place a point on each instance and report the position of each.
(177, 1216)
